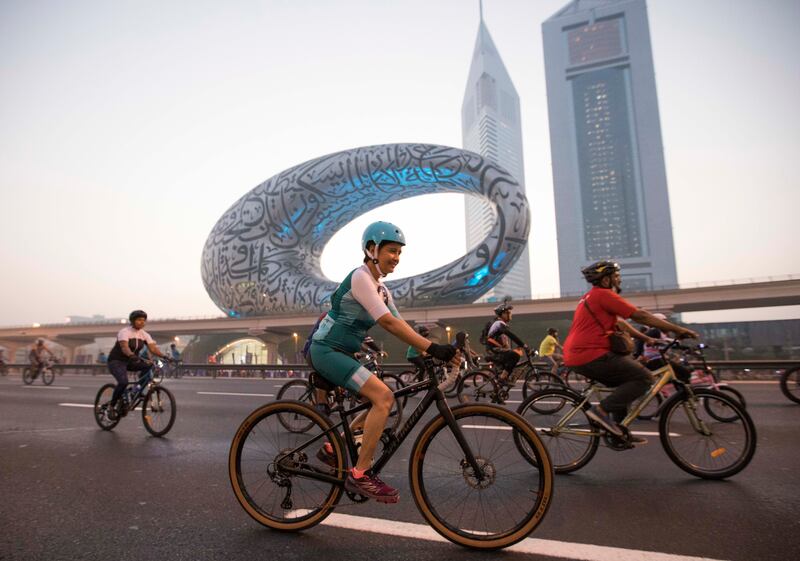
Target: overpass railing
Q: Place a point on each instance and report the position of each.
(727, 368)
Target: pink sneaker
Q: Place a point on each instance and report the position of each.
(371, 486)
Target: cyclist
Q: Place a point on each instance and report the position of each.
(499, 339)
(587, 349)
(361, 301)
(548, 348)
(37, 358)
(413, 355)
(174, 353)
(124, 357)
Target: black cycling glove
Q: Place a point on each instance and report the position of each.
(442, 352)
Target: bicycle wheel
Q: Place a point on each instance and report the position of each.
(575, 381)
(790, 384)
(490, 513)
(298, 390)
(537, 380)
(719, 410)
(158, 411)
(258, 459)
(410, 377)
(702, 445)
(564, 428)
(477, 387)
(651, 409)
(101, 405)
(27, 375)
(48, 376)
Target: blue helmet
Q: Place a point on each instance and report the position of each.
(378, 232)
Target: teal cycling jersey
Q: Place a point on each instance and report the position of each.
(412, 353)
(356, 306)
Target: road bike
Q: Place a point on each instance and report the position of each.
(469, 478)
(155, 401)
(46, 371)
(694, 439)
(485, 384)
(702, 377)
(790, 383)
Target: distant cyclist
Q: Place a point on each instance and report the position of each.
(37, 357)
(549, 349)
(499, 339)
(414, 356)
(124, 356)
(587, 349)
(361, 301)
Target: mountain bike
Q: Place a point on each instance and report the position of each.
(156, 402)
(694, 439)
(468, 477)
(790, 383)
(46, 371)
(485, 384)
(702, 377)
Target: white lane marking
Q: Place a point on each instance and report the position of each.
(534, 546)
(48, 387)
(86, 405)
(481, 427)
(513, 402)
(751, 382)
(234, 393)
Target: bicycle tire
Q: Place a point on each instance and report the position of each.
(27, 375)
(651, 409)
(574, 381)
(248, 481)
(409, 377)
(153, 409)
(48, 376)
(295, 390)
(728, 440)
(101, 403)
(431, 498)
(723, 414)
(569, 451)
(536, 380)
(790, 384)
(476, 387)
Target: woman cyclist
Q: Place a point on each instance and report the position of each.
(360, 302)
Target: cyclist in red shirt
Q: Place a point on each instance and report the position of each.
(587, 349)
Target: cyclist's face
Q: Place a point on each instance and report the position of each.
(138, 323)
(389, 256)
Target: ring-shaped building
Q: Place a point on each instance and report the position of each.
(263, 255)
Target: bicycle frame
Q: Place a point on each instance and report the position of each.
(394, 441)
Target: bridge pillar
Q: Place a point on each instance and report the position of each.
(11, 348)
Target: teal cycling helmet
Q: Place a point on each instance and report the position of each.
(378, 232)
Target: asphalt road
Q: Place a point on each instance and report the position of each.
(71, 491)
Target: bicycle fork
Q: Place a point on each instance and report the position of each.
(450, 419)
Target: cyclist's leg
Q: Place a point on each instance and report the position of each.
(119, 370)
(630, 378)
(508, 360)
(382, 399)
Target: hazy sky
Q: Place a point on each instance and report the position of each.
(128, 127)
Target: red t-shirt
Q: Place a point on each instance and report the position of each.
(586, 340)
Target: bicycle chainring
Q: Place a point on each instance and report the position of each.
(618, 443)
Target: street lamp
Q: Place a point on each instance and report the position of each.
(295, 345)
(447, 329)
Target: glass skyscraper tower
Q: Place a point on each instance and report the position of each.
(605, 136)
(490, 126)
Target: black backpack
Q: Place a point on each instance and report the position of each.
(484, 338)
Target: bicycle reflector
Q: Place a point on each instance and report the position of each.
(718, 452)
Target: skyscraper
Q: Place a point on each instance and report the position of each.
(608, 160)
(490, 126)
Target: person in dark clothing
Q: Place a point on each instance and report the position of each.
(499, 340)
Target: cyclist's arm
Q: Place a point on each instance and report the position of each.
(633, 332)
(126, 350)
(645, 317)
(504, 330)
